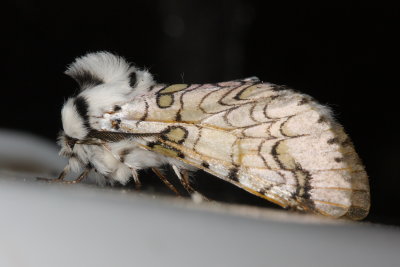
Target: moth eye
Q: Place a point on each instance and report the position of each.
(132, 79)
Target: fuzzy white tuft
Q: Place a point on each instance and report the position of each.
(103, 65)
(73, 123)
(108, 68)
(144, 81)
(107, 80)
(122, 174)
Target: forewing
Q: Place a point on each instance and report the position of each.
(266, 139)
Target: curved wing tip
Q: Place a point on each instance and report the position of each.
(356, 213)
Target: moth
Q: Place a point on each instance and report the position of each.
(267, 139)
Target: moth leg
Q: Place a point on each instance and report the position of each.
(64, 173)
(165, 181)
(183, 177)
(60, 177)
(184, 180)
(80, 178)
(135, 176)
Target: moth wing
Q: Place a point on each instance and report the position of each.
(266, 139)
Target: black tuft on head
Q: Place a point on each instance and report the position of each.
(86, 79)
(82, 108)
(132, 79)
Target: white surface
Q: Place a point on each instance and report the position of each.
(45, 224)
(81, 225)
(19, 150)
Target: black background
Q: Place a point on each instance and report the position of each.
(344, 56)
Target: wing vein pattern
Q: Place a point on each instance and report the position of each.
(269, 140)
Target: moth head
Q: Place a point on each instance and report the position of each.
(104, 80)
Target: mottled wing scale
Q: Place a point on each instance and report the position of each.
(267, 139)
